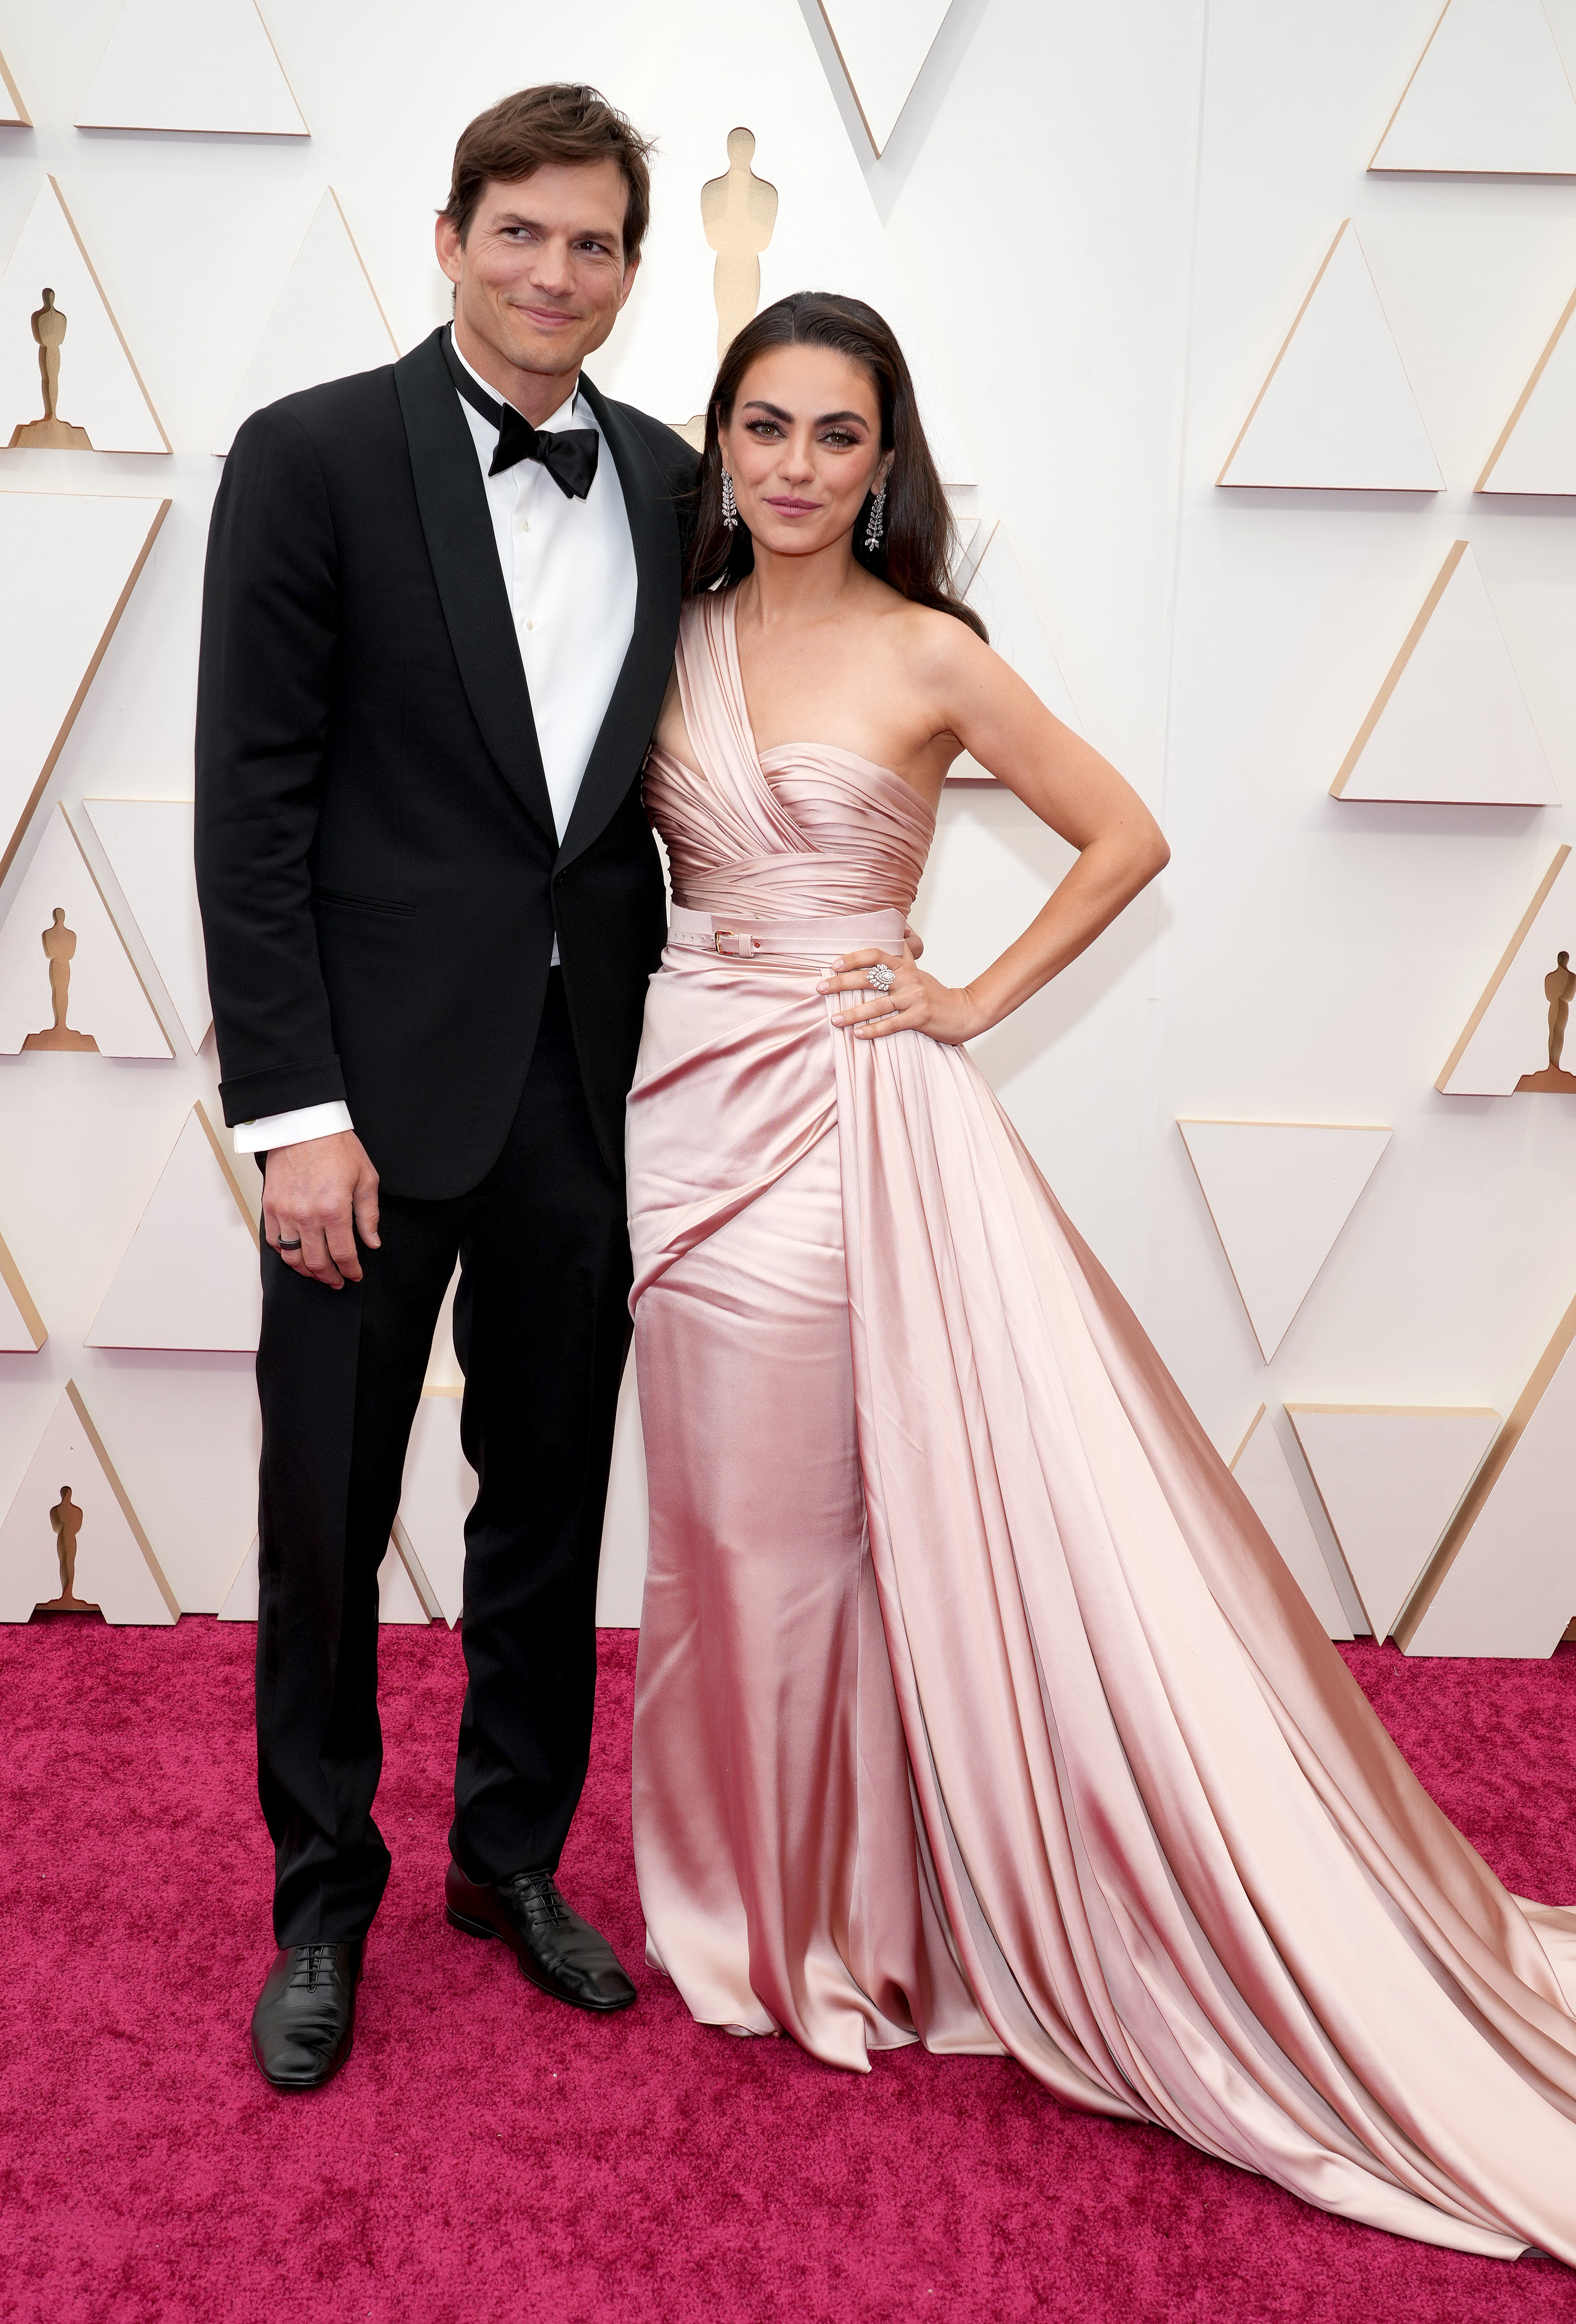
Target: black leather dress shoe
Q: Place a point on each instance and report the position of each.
(305, 2016)
(557, 1950)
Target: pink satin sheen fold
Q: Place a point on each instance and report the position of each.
(974, 1702)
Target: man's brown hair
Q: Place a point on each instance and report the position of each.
(561, 121)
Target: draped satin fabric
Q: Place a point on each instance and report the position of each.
(974, 1702)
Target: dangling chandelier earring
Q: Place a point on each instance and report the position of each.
(729, 505)
(878, 517)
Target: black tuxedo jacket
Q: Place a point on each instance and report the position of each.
(377, 865)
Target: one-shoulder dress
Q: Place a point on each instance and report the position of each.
(973, 1704)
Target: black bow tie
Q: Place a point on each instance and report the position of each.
(568, 454)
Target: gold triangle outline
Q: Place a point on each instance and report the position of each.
(86, 806)
(23, 117)
(1475, 1500)
(1284, 344)
(112, 1478)
(30, 806)
(119, 936)
(236, 1192)
(1400, 101)
(333, 195)
(1184, 1122)
(12, 1276)
(114, 318)
(159, 130)
(876, 146)
(1387, 1412)
(1522, 929)
(1551, 177)
(1222, 481)
(1524, 399)
(1247, 1433)
(1409, 646)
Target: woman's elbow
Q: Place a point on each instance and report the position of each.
(1151, 854)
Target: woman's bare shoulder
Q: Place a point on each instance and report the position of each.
(935, 646)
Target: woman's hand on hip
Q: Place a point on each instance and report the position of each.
(912, 1002)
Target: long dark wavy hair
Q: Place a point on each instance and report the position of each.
(917, 544)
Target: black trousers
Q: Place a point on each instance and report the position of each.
(541, 1330)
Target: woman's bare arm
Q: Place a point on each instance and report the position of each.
(1005, 726)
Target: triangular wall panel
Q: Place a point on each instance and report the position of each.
(400, 1595)
(195, 65)
(882, 45)
(107, 1008)
(1536, 451)
(22, 1327)
(1503, 1581)
(1505, 1038)
(148, 843)
(69, 562)
(326, 322)
(1337, 412)
(1264, 1473)
(14, 114)
(116, 1570)
(1390, 1479)
(1489, 96)
(1451, 722)
(971, 545)
(188, 1278)
(766, 77)
(1000, 593)
(101, 390)
(1279, 1194)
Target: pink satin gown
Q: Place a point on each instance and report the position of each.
(974, 1704)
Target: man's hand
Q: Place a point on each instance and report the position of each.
(316, 1198)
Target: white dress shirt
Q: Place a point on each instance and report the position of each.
(569, 569)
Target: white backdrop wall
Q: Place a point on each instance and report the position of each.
(1098, 224)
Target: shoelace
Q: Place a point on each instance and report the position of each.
(538, 1894)
(314, 1966)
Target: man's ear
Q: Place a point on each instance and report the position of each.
(628, 284)
(450, 250)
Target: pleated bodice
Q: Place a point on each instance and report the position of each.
(803, 831)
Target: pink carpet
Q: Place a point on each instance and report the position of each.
(488, 2153)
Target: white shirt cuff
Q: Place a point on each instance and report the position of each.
(271, 1129)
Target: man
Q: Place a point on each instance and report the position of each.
(438, 618)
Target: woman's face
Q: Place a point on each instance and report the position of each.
(803, 447)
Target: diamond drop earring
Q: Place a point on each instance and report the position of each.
(878, 517)
(729, 505)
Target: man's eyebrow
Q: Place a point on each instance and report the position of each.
(759, 404)
(535, 226)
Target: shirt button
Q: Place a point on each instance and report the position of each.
(530, 625)
(525, 524)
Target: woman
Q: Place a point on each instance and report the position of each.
(974, 1702)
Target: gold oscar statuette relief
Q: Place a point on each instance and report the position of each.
(60, 944)
(1559, 991)
(52, 433)
(65, 1520)
(739, 213)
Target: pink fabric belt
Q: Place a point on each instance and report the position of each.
(742, 939)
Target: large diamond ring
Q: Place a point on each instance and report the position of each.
(880, 976)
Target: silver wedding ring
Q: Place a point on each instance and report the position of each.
(880, 976)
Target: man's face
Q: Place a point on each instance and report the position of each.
(540, 276)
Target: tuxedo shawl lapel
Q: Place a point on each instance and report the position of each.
(637, 698)
(454, 518)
